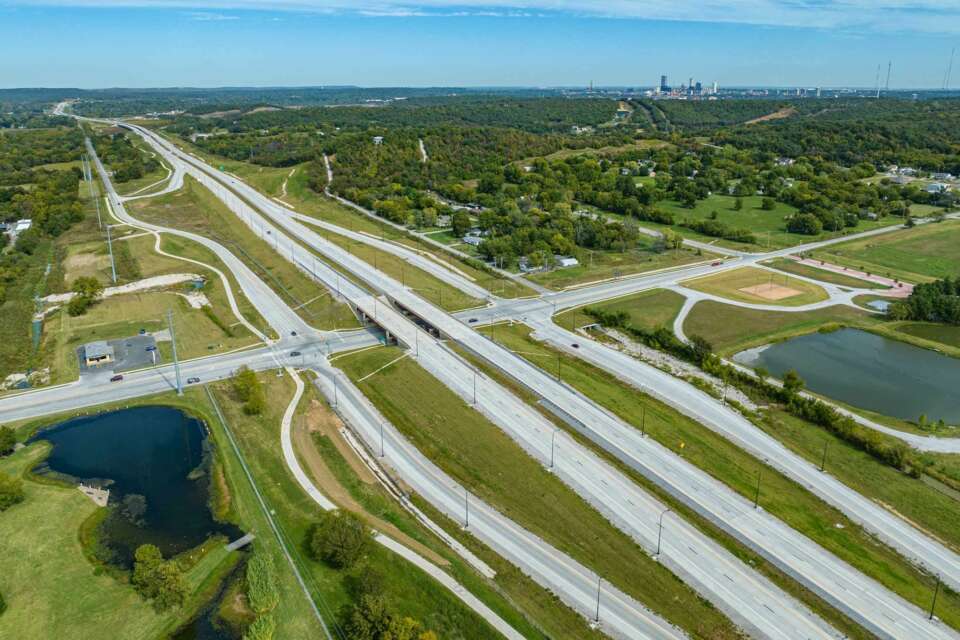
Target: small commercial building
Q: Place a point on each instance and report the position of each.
(567, 261)
(97, 354)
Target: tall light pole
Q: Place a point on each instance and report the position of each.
(596, 618)
(113, 268)
(173, 342)
(553, 441)
(660, 530)
(756, 496)
(933, 604)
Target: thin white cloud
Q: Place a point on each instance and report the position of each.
(934, 16)
(209, 16)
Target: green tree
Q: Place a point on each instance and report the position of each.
(158, 580)
(87, 286)
(738, 204)
(805, 223)
(3, 604)
(460, 223)
(768, 204)
(262, 591)
(372, 619)
(78, 305)
(8, 440)
(11, 491)
(340, 539)
(261, 629)
(701, 349)
(792, 382)
(249, 390)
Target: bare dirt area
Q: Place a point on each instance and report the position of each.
(786, 112)
(319, 420)
(770, 291)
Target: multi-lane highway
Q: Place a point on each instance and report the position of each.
(853, 593)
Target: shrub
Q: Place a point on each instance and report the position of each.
(262, 591)
(3, 604)
(158, 580)
(249, 390)
(340, 538)
(78, 305)
(11, 491)
(261, 629)
(8, 440)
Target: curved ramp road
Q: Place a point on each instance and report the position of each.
(574, 584)
(742, 603)
(884, 613)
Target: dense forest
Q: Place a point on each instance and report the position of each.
(49, 198)
(118, 152)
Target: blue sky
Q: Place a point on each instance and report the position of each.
(149, 43)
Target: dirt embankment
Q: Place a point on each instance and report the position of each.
(786, 112)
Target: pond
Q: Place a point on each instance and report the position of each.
(868, 371)
(155, 461)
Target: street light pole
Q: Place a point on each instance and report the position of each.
(381, 439)
(596, 618)
(756, 497)
(823, 460)
(660, 530)
(113, 267)
(553, 441)
(466, 507)
(935, 592)
(173, 342)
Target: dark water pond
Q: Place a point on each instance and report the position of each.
(869, 371)
(155, 462)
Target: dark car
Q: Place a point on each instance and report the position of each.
(575, 345)
(471, 320)
(193, 380)
(150, 348)
(717, 263)
(294, 354)
(293, 333)
(116, 378)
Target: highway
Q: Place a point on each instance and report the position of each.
(756, 604)
(855, 594)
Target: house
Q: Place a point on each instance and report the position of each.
(97, 353)
(907, 171)
(566, 261)
(784, 162)
(378, 140)
(942, 176)
(473, 241)
(900, 180)
(937, 187)
(22, 225)
(624, 171)
(870, 215)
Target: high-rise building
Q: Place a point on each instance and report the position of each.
(698, 88)
(664, 87)
(716, 88)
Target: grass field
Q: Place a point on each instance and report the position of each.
(604, 265)
(942, 333)
(780, 496)
(487, 461)
(794, 267)
(123, 316)
(428, 286)
(194, 208)
(647, 309)
(405, 587)
(921, 254)
(731, 329)
(758, 286)
(52, 590)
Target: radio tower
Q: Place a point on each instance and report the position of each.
(886, 87)
(946, 76)
(878, 82)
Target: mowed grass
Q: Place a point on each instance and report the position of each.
(123, 316)
(607, 265)
(647, 309)
(769, 227)
(494, 468)
(53, 591)
(425, 284)
(194, 208)
(406, 588)
(942, 333)
(779, 495)
(807, 271)
(730, 284)
(921, 254)
(731, 329)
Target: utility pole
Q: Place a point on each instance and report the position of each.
(643, 421)
(113, 267)
(173, 342)
(474, 387)
(558, 367)
(756, 496)
(823, 460)
(660, 530)
(381, 439)
(466, 507)
(336, 397)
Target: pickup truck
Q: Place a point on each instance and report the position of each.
(116, 378)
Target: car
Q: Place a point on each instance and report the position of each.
(193, 380)
(472, 320)
(116, 378)
(294, 354)
(293, 333)
(150, 348)
(717, 263)
(575, 345)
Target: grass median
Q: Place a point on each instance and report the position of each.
(493, 467)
